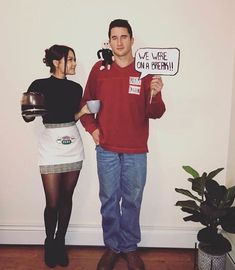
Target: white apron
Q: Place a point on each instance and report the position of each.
(60, 144)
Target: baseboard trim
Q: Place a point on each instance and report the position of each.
(230, 264)
(152, 236)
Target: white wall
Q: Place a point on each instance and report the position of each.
(230, 179)
(194, 131)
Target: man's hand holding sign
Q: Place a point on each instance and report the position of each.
(155, 86)
(157, 61)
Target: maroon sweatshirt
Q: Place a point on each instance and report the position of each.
(123, 119)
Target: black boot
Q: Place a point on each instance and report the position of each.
(61, 252)
(50, 253)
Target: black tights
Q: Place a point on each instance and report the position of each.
(59, 188)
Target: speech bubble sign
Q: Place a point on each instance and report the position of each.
(157, 61)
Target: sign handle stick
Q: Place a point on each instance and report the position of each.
(151, 97)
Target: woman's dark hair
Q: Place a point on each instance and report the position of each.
(56, 52)
(120, 23)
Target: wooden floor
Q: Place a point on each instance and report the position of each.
(86, 258)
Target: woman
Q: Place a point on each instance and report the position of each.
(60, 148)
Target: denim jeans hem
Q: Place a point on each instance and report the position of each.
(128, 250)
(114, 250)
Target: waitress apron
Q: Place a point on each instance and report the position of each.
(60, 148)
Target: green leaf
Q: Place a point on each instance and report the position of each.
(188, 204)
(198, 184)
(230, 194)
(196, 217)
(212, 242)
(187, 193)
(228, 221)
(207, 235)
(191, 171)
(213, 212)
(212, 174)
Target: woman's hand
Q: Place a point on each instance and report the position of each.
(83, 111)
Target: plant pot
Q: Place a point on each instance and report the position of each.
(210, 262)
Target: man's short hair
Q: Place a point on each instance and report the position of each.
(120, 23)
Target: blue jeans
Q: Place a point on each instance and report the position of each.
(122, 179)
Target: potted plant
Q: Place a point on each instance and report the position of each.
(211, 205)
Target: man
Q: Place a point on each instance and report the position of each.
(120, 132)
